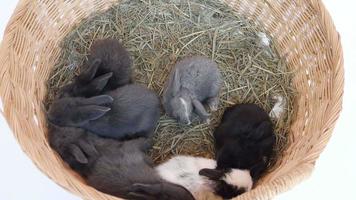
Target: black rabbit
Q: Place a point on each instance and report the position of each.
(244, 139)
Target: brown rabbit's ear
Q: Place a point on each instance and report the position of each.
(78, 154)
(97, 100)
(212, 174)
(176, 82)
(84, 114)
(89, 74)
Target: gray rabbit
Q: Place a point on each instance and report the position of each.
(193, 81)
(108, 67)
(114, 58)
(86, 84)
(134, 112)
(119, 168)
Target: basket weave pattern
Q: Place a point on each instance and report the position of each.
(305, 36)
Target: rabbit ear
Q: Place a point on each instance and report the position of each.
(162, 190)
(98, 100)
(176, 82)
(88, 148)
(89, 73)
(98, 84)
(78, 154)
(84, 114)
(212, 174)
(145, 191)
(147, 188)
(199, 108)
(261, 130)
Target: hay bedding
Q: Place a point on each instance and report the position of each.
(158, 33)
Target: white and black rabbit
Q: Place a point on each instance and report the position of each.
(134, 112)
(114, 58)
(193, 82)
(201, 178)
(119, 168)
(244, 139)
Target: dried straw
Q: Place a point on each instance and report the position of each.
(158, 33)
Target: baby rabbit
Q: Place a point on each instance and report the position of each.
(114, 58)
(133, 113)
(115, 167)
(201, 178)
(193, 81)
(123, 164)
(86, 84)
(244, 139)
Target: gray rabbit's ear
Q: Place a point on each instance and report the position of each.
(145, 191)
(200, 110)
(89, 74)
(88, 148)
(84, 114)
(176, 82)
(98, 84)
(163, 190)
(97, 100)
(78, 154)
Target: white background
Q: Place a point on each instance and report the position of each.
(333, 178)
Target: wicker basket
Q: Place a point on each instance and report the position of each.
(303, 30)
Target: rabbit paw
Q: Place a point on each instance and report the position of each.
(213, 103)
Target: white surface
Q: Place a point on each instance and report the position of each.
(333, 178)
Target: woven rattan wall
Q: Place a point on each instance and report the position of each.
(303, 30)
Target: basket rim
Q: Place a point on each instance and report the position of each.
(281, 184)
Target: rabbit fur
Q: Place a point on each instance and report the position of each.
(108, 67)
(193, 81)
(86, 84)
(279, 107)
(119, 168)
(133, 112)
(115, 59)
(244, 139)
(198, 175)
